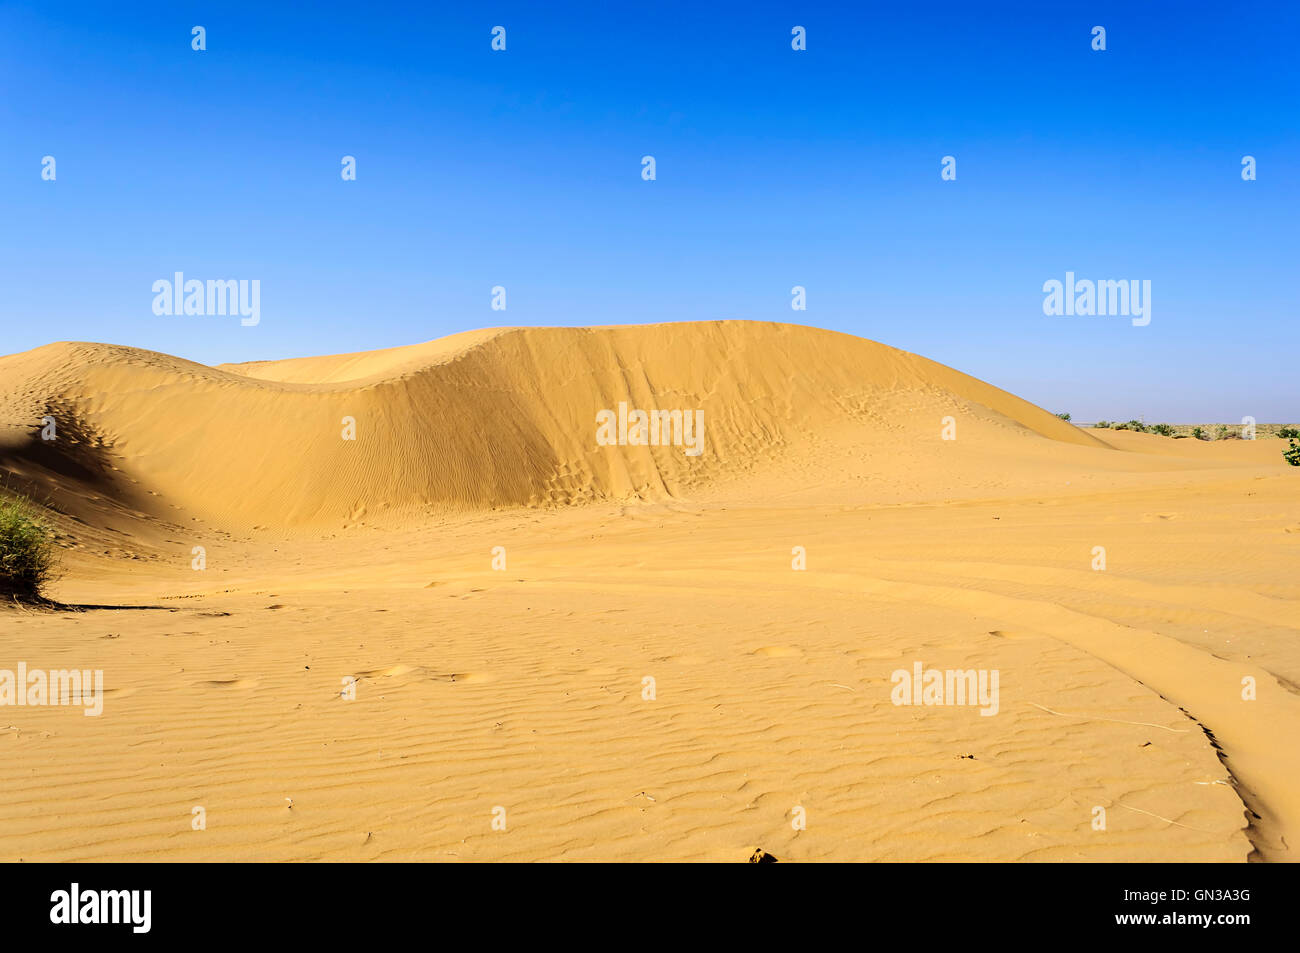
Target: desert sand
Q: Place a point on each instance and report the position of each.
(515, 678)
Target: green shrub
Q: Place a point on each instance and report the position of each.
(1199, 433)
(1288, 432)
(1137, 425)
(1292, 454)
(1102, 424)
(1064, 416)
(1163, 430)
(1222, 432)
(28, 553)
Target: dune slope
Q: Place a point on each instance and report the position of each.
(481, 420)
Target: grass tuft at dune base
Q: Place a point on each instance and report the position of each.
(28, 553)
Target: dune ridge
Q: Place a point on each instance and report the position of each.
(496, 418)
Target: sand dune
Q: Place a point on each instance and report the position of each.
(523, 686)
(488, 419)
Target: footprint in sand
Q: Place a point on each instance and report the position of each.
(779, 651)
(1013, 636)
(229, 683)
(464, 677)
(396, 670)
(873, 655)
(389, 672)
(681, 659)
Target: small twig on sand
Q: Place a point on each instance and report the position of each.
(1166, 820)
(1118, 721)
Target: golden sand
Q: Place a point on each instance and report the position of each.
(521, 692)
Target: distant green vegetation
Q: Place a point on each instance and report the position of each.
(28, 553)
(1135, 425)
(1064, 416)
(1179, 431)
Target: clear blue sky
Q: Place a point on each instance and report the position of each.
(775, 168)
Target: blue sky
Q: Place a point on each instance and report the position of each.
(775, 168)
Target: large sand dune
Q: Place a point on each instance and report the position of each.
(523, 687)
(489, 419)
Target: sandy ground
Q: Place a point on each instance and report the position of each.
(521, 691)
